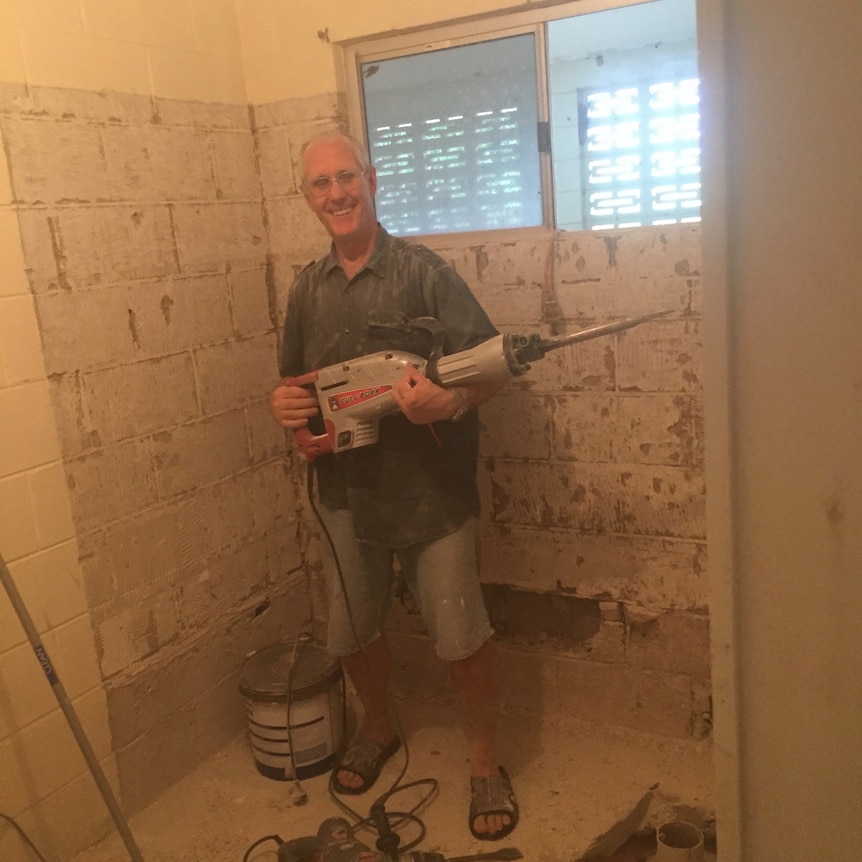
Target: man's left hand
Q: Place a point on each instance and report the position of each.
(422, 401)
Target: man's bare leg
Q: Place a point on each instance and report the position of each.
(369, 671)
(476, 683)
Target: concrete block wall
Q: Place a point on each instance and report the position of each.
(594, 459)
(593, 481)
(161, 539)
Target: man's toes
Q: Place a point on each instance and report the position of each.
(349, 779)
(486, 824)
(490, 823)
(497, 822)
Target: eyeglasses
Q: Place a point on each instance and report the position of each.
(320, 186)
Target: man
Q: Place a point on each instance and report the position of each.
(413, 494)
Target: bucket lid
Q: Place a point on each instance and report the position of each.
(268, 671)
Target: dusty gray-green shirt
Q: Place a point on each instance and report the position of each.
(412, 485)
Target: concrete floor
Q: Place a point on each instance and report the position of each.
(575, 783)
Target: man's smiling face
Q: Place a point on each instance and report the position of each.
(346, 206)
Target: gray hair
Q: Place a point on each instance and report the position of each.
(356, 146)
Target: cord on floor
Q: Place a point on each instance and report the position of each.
(277, 838)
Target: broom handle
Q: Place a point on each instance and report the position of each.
(71, 717)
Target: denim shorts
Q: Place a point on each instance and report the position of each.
(442, 575)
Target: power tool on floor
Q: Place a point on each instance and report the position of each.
(354, 395)
(336, 842)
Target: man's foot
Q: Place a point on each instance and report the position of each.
(360, 767)
(493, 808)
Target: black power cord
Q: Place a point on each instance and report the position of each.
(379, 818)
(277, 838)
(396, 787)
(378, 808)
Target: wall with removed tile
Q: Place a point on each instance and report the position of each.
(173, 529)
(97, 398)
(594, 479)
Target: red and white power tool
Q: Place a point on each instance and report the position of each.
(354, 395)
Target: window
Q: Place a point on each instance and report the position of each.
(548, 118)
(452, 135)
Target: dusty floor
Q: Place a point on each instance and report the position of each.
(575, 783)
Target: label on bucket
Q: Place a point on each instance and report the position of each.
(314, 734)
(313, 687)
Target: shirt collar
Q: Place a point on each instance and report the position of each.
(378, 261)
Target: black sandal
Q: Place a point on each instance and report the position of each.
(365, 758)
(492, 794)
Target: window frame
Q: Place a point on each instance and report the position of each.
(352, 54)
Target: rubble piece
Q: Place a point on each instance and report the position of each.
(621, 831)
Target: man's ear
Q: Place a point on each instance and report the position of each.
(371, 173)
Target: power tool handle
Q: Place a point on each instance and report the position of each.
(387, 840)
(308, 442)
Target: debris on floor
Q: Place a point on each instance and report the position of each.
(582, 788)
(610, 841)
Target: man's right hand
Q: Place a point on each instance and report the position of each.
(292, 406)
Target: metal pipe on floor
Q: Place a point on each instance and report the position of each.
(66, 705)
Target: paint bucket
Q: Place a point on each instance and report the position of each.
(300, 677)
(679, 841)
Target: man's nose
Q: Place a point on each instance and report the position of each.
(336, 190)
